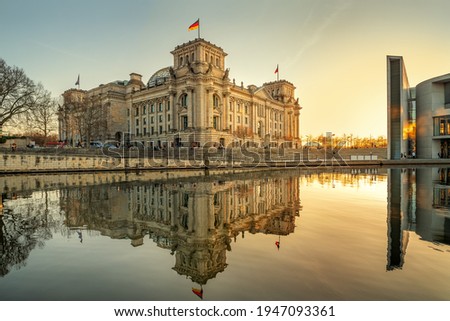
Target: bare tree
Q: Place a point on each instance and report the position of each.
(16, 92)
(40, 119)
(84, 116)
(43, 113)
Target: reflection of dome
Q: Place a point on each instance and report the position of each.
(159, 77)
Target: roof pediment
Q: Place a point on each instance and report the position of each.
(263, 93)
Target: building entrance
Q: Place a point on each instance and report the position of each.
(445, 149)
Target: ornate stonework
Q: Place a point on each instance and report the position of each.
(194, 102)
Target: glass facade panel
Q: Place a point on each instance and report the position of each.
(441, 126)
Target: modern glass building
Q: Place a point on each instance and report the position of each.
(418, 117)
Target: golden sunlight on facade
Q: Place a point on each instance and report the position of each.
(418, 117)
(189, 104)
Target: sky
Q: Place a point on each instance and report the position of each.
(333, 51)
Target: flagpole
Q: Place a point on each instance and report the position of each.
(198, 28)
(278, 73)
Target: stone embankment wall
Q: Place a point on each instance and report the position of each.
(20, 163)
(10, 162)
(40, 162)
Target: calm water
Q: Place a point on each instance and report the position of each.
(368, 234)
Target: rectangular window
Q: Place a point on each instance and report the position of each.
(152, 120)
(137, 131)
(246, 120)
(144, 109)
(152, 130)
(137, 121)
(152, 108)
(160, 129)
(160, 107)
(168, 105)
(160, 118)
(447, 94)
(239, 119)
(145, 131)
(185, 201)
(144, 120)
(231, 118)
(184, 121)
(136, 111)
(168, 117)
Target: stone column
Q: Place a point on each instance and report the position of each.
(173, 112)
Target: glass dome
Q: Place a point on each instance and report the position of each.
(159, 77)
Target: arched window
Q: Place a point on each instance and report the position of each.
(217, 62)
(181, 61)
(187, 59)
(216, 101)
(192, 57)
(183, 100)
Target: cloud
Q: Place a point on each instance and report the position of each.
(318, 13)
(62, 51)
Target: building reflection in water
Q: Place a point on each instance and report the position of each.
(195, 220)
(418, 201)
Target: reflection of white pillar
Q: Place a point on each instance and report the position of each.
(424, 200)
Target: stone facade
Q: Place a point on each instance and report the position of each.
(193, 103)
(98, 114)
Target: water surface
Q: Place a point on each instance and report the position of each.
(348, 234)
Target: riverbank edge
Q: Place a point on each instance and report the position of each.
(242, 167)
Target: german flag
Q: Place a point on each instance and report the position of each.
(198, 292)
(195, 25)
